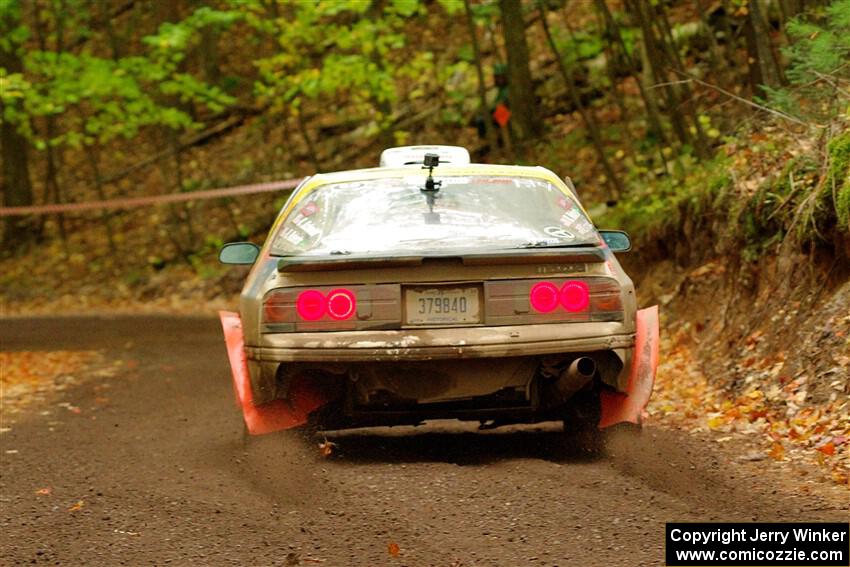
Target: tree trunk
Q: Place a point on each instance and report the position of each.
(52, 154)
(714, 51)
(383, 107)
(652, 59)
(93, 158)
(16, 184)
(683, 91)
(589, 120)
(209, 54)
(490, 132)
(649, 101)
(611, 68)
(312, 151)
(521, 100)
(762, 50)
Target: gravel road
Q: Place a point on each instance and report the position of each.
(159, 474)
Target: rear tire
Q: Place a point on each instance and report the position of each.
(582, 436)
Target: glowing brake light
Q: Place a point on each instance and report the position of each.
(543, 297)
(575, 296)
(311, 305)
(341, 304)
(290, 310)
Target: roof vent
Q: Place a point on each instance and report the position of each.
(415, 155)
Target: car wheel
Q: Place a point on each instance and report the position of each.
(581, 424)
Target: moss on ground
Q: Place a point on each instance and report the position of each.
(839, 176)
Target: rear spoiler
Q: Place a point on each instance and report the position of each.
(584, 254)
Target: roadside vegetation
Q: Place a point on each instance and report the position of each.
(717, 132)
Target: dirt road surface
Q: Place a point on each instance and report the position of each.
(159, 474)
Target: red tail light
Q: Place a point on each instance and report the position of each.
(575, 296)
(543, 297)
(559, 300)
(311, 305)
(341, 304)
(287, 310)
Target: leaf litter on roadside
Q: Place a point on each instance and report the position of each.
(773, 416)
(34, 376)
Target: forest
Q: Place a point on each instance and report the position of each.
(125, 98)
(714, 131)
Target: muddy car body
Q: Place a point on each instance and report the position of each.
(397, 294)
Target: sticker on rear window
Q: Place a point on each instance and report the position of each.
(565, 203)
(570, 217)
(307, 226)
(559, 232)
(292, 236)
(309, 209)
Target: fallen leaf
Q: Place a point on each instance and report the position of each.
(326, 448)
(827, 448)
(777, 452)
(78, 506)
(393, 549)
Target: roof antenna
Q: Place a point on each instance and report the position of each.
(431, 188)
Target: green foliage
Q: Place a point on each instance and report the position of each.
(819, 48)
(172, 40)
(99, 99)
(452, 7)
(328, 49)
(13, 33)
(578, 46)
(658, 210)
(818, 56)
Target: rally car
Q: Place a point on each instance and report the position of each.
(432, 288)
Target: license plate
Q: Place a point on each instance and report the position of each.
(441, 306)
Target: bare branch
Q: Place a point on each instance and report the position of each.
(732, 95)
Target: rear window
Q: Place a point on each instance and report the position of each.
(471, 213)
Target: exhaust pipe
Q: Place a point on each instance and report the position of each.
(582, 367)
(577, 374)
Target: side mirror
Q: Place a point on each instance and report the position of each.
(238, 253)
(617, 240)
